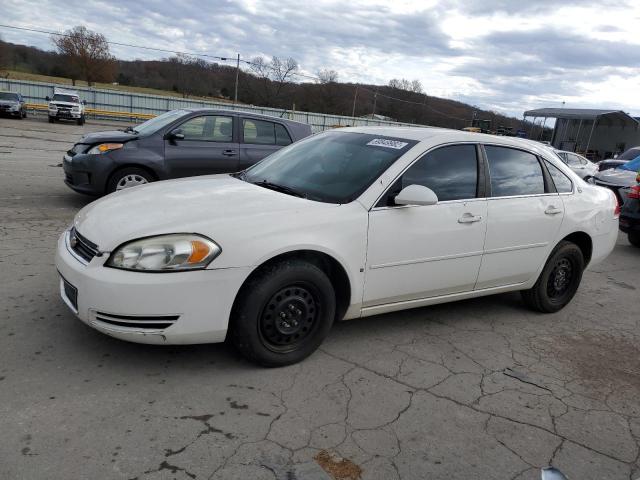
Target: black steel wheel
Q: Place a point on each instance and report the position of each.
(290, 317)
(559, 280)
(283, 313)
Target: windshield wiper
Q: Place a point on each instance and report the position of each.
(280, 188)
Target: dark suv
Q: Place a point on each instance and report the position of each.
(179, 143)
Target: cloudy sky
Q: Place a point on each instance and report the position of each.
(504, 55)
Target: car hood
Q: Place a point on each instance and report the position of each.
(617, 177)
(108, 136)
(217, 206)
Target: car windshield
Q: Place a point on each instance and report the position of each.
(633, 165)
(59, 97)
(629, 154)
(9, 96)
(333, 167)
(156, 123)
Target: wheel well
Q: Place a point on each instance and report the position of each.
(130, 165)
(329, 265)
(584, 242)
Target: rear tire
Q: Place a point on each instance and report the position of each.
(559, 280)
(128, 177)
(634, 238)
(24, 114)
(283, 313)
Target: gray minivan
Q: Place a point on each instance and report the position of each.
(179, 143)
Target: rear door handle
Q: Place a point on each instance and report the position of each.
(553, 210)
(469, 218)
(229, 153)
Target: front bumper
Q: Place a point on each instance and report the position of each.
(136, 306)
(79, 181)
(65, 115)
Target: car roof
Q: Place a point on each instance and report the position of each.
(435, 135)
(241, 112)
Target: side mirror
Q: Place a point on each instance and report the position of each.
(84, 102)
(550, 473)
(176, 134)
(615, 156)
(47, 98)
(416, 195)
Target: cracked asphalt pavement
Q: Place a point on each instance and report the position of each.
(480, 389)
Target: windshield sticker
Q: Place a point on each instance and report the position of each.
(383, 142)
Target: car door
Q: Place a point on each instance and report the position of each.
(417, 252)
(208, 146)
(259, 139)
(524, 217)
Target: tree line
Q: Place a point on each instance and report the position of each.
(80, 54)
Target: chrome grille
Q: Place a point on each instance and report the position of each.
(138, 322)
(81, 246)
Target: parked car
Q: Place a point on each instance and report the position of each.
(179, 143)
(12, 103)
(609, 164)
(344, 224)
(630, 214)
(66, 105)
(629, 154)
(619, 177)
(579, 164)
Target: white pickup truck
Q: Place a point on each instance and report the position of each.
(66, 105)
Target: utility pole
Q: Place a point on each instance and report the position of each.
(375, 99)
(355, 97)
(235, 97)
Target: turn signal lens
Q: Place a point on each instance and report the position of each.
(104, 148)
(199, 251)
(165, 253)
(635, 192)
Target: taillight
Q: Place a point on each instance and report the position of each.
(616, 212)
(634, 192)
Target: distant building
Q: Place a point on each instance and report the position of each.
(375, 116)
(600, 133)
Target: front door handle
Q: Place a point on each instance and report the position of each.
(469, 218)
(553, 210)
(229, 153)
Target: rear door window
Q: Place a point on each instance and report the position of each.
(514, 172)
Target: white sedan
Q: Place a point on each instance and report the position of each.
(345, 224)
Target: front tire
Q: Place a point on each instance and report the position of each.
(634, 238)
(51, 119)
(283, 313)
(127, 178)
(559, 280)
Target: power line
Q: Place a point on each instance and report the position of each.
(230, 59)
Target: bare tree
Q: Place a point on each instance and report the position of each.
(327, 76)
(404, 84)
(274, 76)
(88, 55)
(416, 86)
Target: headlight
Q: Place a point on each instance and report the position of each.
(53, 106)
(165, 253)
(75, 109)
(16, 107)
(104, 148)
